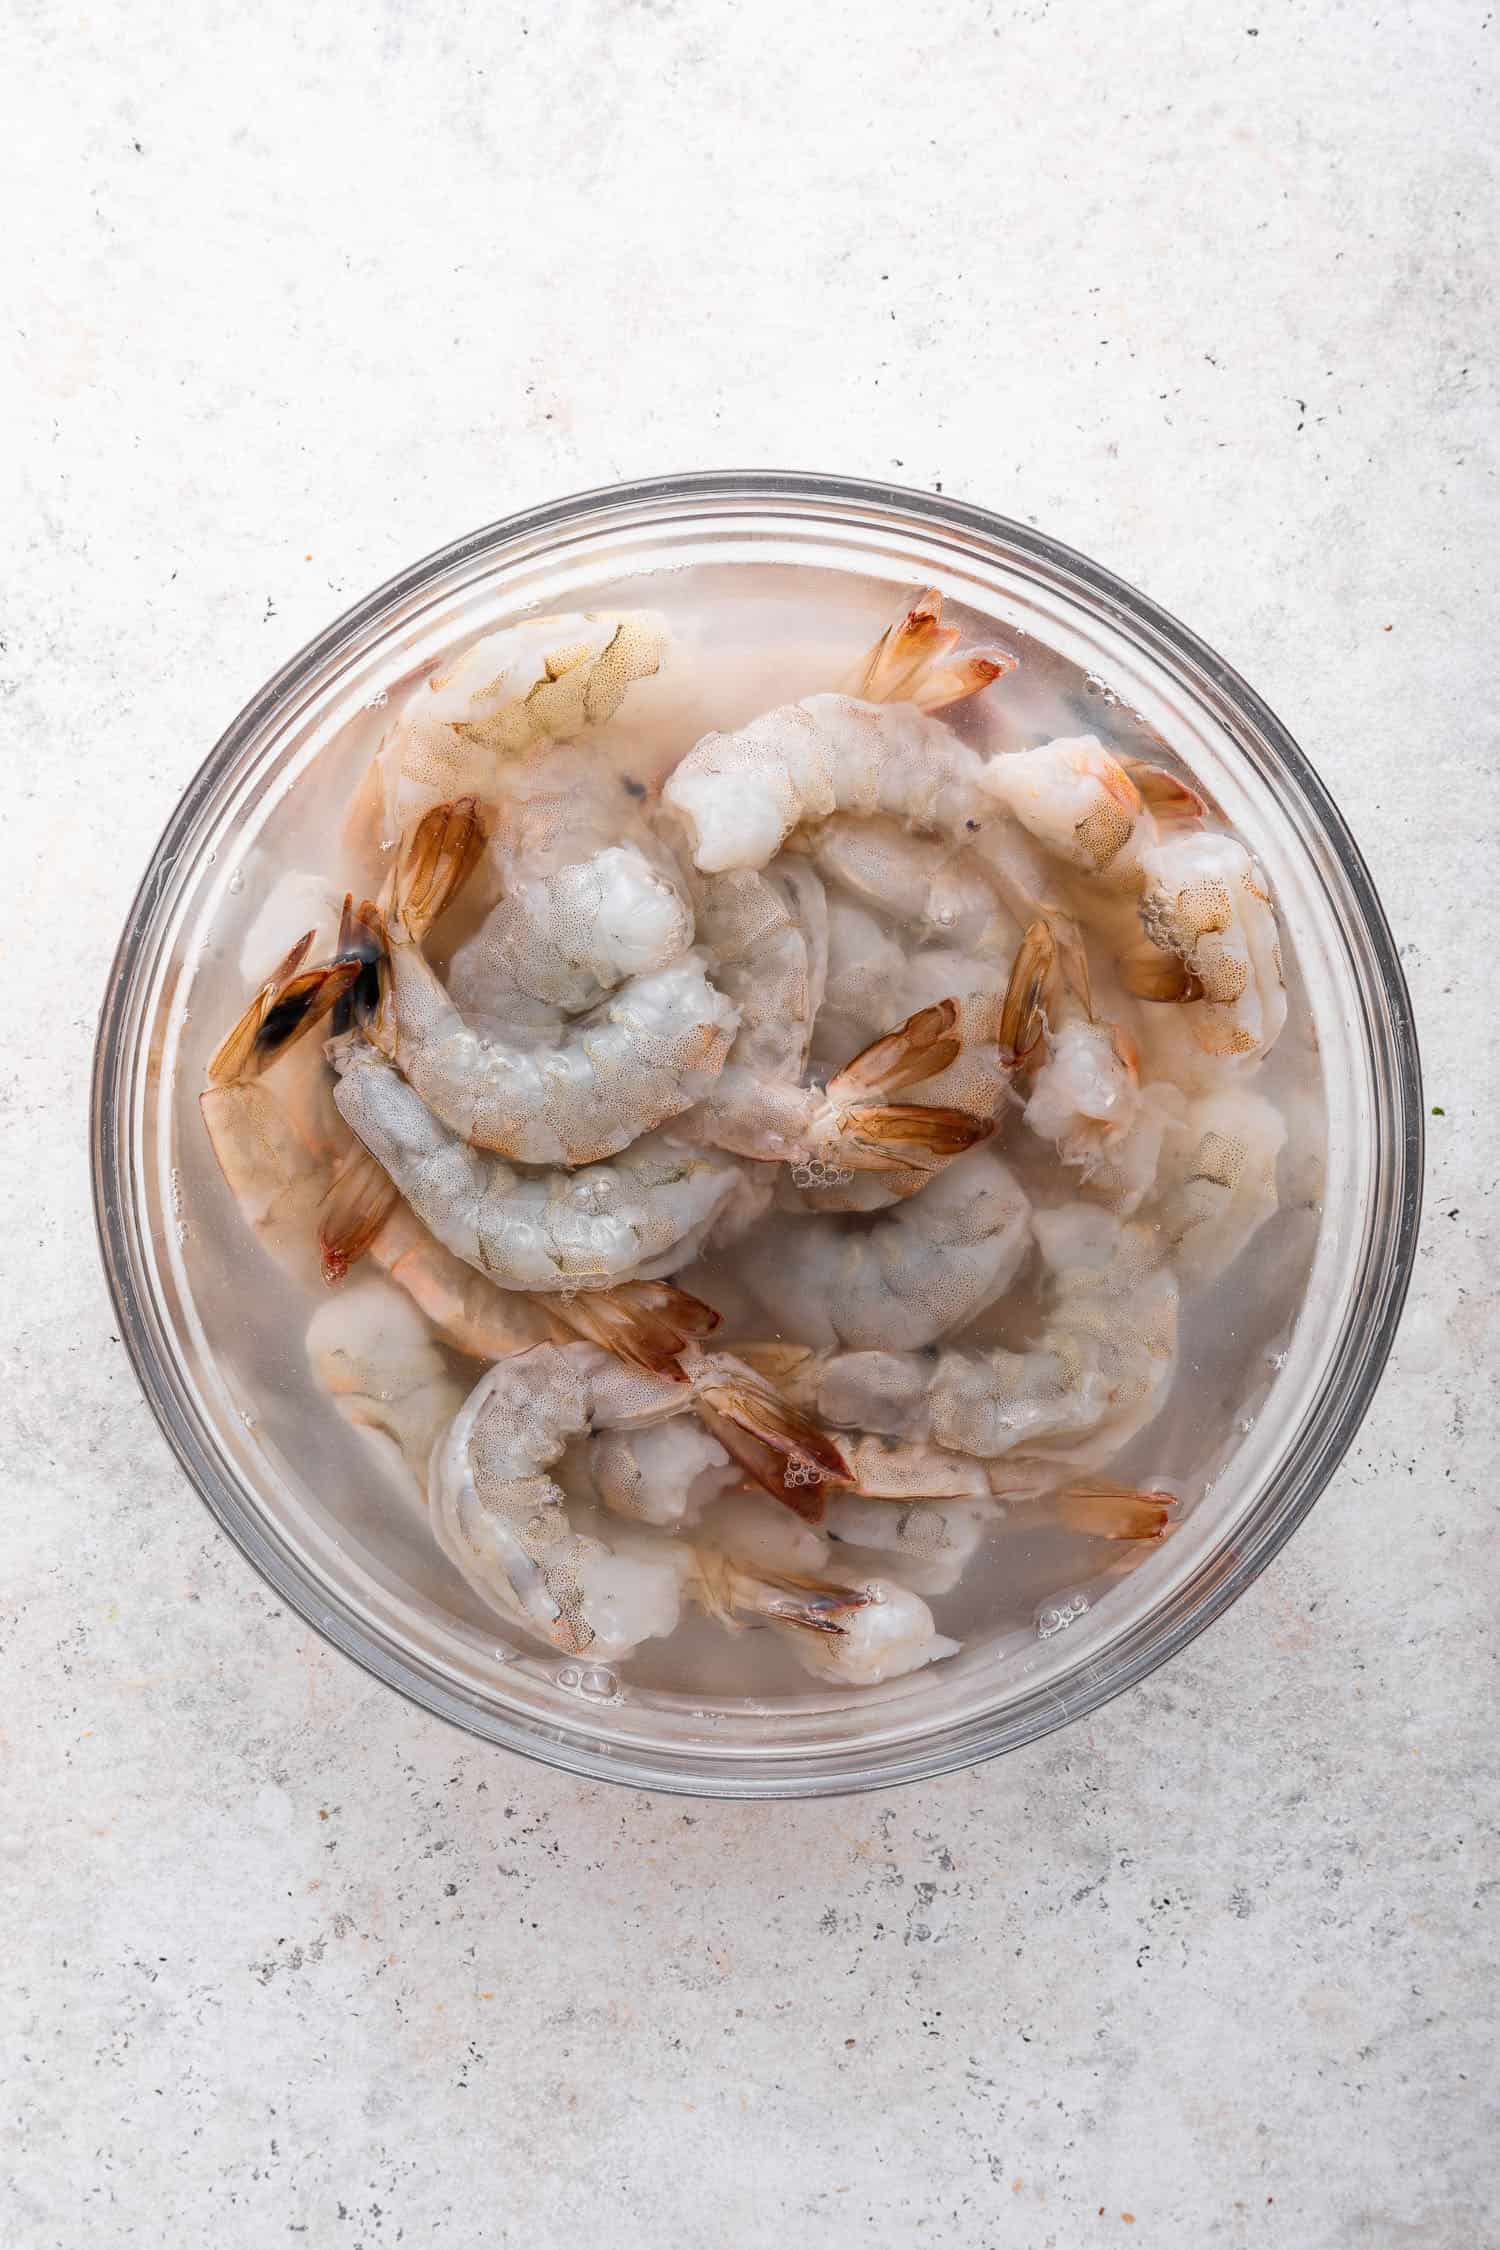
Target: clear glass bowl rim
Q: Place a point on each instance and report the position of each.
(1163, 1631)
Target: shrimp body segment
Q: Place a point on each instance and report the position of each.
(740, 796)
(506, 1523)
(899, 1282)
(1207, 903)
(639, 1216)
(546, 680)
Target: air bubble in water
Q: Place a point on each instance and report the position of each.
(600, 1683)
(237, 881)
(1057, 1616)
(569, 1676)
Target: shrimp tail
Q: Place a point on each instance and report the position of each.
(645, 1323)
(906, 664)
(908, 1136)
(1023, 1012)
(289, 1003)
(788, 1455)
(362, 938)
(436, 860)
(811, 1603)
(917, 1049)
(1114, 1511)
(1151, 974)
(1166, 795)
(358, 1203)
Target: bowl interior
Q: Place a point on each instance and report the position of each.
(216, 1330)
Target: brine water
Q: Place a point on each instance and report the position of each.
(744, 638)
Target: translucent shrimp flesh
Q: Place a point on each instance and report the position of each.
(585, 892)
(506, 1523)
(1093, 1378)
(546, 680)
(648, 1052)
(900, 1281)
(1219, 1186)
(1094, 811)
(373, 1352)
(1206, 905)
(319, 1203)
(640, 1216)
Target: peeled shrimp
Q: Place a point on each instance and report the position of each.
(318, 1202)
(1095, 1375)
(646, 1054)
(585, 892)
(506, 1524)
(545, 680)
(1206, 906)
(374, 1354)
(639, 1216)
(1220, 1182)
(1094, 811)
(852, 1124)
(660, 1475)
(740, 796)
(937, 891)
(929, 1543)
(900, 1281)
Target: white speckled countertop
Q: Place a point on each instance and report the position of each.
(293, 297)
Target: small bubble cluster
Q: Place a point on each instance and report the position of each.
(800, 1472)
(816, 1173)
(1058, 1615)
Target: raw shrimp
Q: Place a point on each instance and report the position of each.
(506, 1525)
(900, 1281)
(374, 1354)
(740, 796)
(663, 1474)
(930, 1543)
(933, 889)
(586, 893)
(1085, 1094)
(1094, 811)
(1220, 1183)
(1206, 906)
(1092, 1379)
(852, 1124)
(639, 1216)
(318, 1202)
(545, 680)
(646, 1054)
(768, 933)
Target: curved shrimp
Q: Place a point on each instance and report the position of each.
(318, 1202)
(637, 1217)
(545, 680)
(1093, 1378)
(1206, 909)
(900, 1282)
(586, 893)
(372, 1351)
(646, 1054)
(505, 1523)
(936, 891)
(768, 934)
(1092, 810)
(1220, 1187)
(740, 796)
(929, 1543)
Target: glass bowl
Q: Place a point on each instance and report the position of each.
(187, 1292)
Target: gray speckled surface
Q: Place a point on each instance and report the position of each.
(294, 297)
